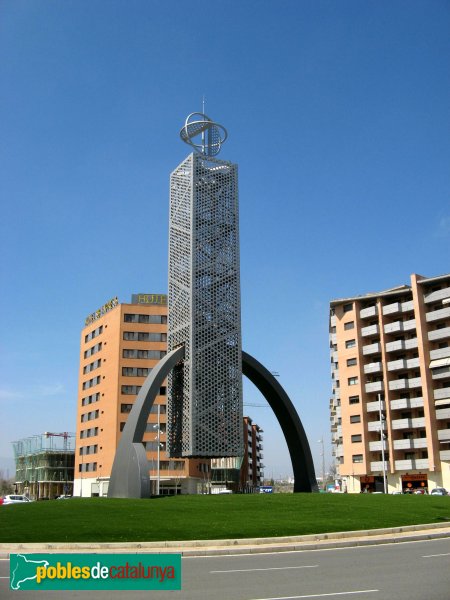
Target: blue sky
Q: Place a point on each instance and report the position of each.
(338, 115)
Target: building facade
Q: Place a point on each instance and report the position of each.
(390, 405)
(244, 474)
(120, 344)
(45, 465)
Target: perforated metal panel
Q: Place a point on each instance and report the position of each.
(205, 392)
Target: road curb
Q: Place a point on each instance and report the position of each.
(343, 539)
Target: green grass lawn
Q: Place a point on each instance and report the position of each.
(213, 517)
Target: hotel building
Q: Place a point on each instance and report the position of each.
(390, 405)
(120, 345)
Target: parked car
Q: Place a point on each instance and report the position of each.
(439, 492)
(63, 497)
(15, 499)
(419, 491)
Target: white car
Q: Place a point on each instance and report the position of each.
(15, 499)
(439, 492)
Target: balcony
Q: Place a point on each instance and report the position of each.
(401, 345)
(443, 413)
(398, 307)
(391, 309)
(375, 386)
(398, 365)
(439, 295)
(375, 426)
(378, 466)
(441, 373)
(438, 315)
(399, 326)
(403, 403)
(333, 338)
(408, 423)
(333, 321)
(413, 463)
(374, 367)
(370, 330)
(444, 435)
(372, 349)
(444, 454)
(442, 393)
(405, 384)
(439, 334)
(370, 311)
(376, 446)
(375, 406)
(440, 353)
(410, 444)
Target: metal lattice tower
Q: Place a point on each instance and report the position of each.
(205, 391)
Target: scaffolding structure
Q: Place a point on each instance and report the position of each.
(45, 465)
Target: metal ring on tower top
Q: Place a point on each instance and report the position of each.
(212, 134)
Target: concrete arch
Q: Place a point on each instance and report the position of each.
(280, 403)
(130, 471)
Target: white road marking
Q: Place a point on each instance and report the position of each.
(433, 555)
(266, 569)
(321, 595)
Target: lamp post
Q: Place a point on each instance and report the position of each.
(323, 461)
(382, 438)
(158, 450)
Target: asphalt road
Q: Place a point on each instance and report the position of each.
(401, 571)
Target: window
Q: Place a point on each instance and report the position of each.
(87, 467)
(135, 372)
(122, 425)
(84, 450)
(90, 416)
(126, 408)
(90, 399)
(86, 433)
(350, 343)
(333, 329)
(163, 391)
(348, 307)
(144, 336)
(355, 419)
(353, 400)
(351, 362)
(152, 354)
(349, 325)
(130, 389)
(356, 438)
(357, 458)
(92, 366)
(352, 381)
(93, 334)
(93, 350)
(91, 383)
(137, 318)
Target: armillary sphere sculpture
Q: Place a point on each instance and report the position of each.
(212, 134)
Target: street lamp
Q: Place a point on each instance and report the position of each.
(323, 460)
(158, 455)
